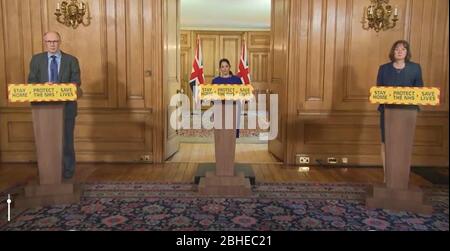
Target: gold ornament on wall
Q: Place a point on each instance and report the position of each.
(379, 16)
(73, 13)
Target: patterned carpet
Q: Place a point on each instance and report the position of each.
(293, 207)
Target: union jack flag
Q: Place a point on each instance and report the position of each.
(197, 77)
(244, 70)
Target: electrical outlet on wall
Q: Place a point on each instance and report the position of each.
(344, 160)
(302, 159)
(332, 160)
(145, 158)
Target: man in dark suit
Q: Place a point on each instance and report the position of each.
(56, 66)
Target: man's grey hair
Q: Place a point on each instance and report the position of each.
(57, 33)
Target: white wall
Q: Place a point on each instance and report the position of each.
(225, 14)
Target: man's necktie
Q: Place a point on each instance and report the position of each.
(54, 70)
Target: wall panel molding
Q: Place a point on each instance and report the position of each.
(316, 57)
(101, 49)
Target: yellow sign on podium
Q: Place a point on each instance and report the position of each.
(226, 92)
(42, 92)
(405, 95)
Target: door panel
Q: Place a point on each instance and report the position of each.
(171, 71)
(230, 48)
(278, 70)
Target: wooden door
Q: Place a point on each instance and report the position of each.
(230, 48)
(210, 48)
(279, 71)
(172, 79)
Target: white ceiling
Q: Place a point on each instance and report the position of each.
(225, 14)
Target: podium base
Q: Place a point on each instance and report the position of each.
(410, 200)
(47, 195)
(211, 167)
(214, 185)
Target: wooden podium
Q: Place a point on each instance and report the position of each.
(224, 181)
(397, 194)
(48, 125)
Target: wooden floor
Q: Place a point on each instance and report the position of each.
(12, 174)
(204, 152)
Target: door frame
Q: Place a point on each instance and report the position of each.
(162, 123)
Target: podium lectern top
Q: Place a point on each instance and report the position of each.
(45, 92)
(405, 95)
(235, 92)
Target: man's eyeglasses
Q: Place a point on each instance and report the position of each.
(52, 41)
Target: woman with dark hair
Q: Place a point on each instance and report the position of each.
(226, 76)
(401, 71)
